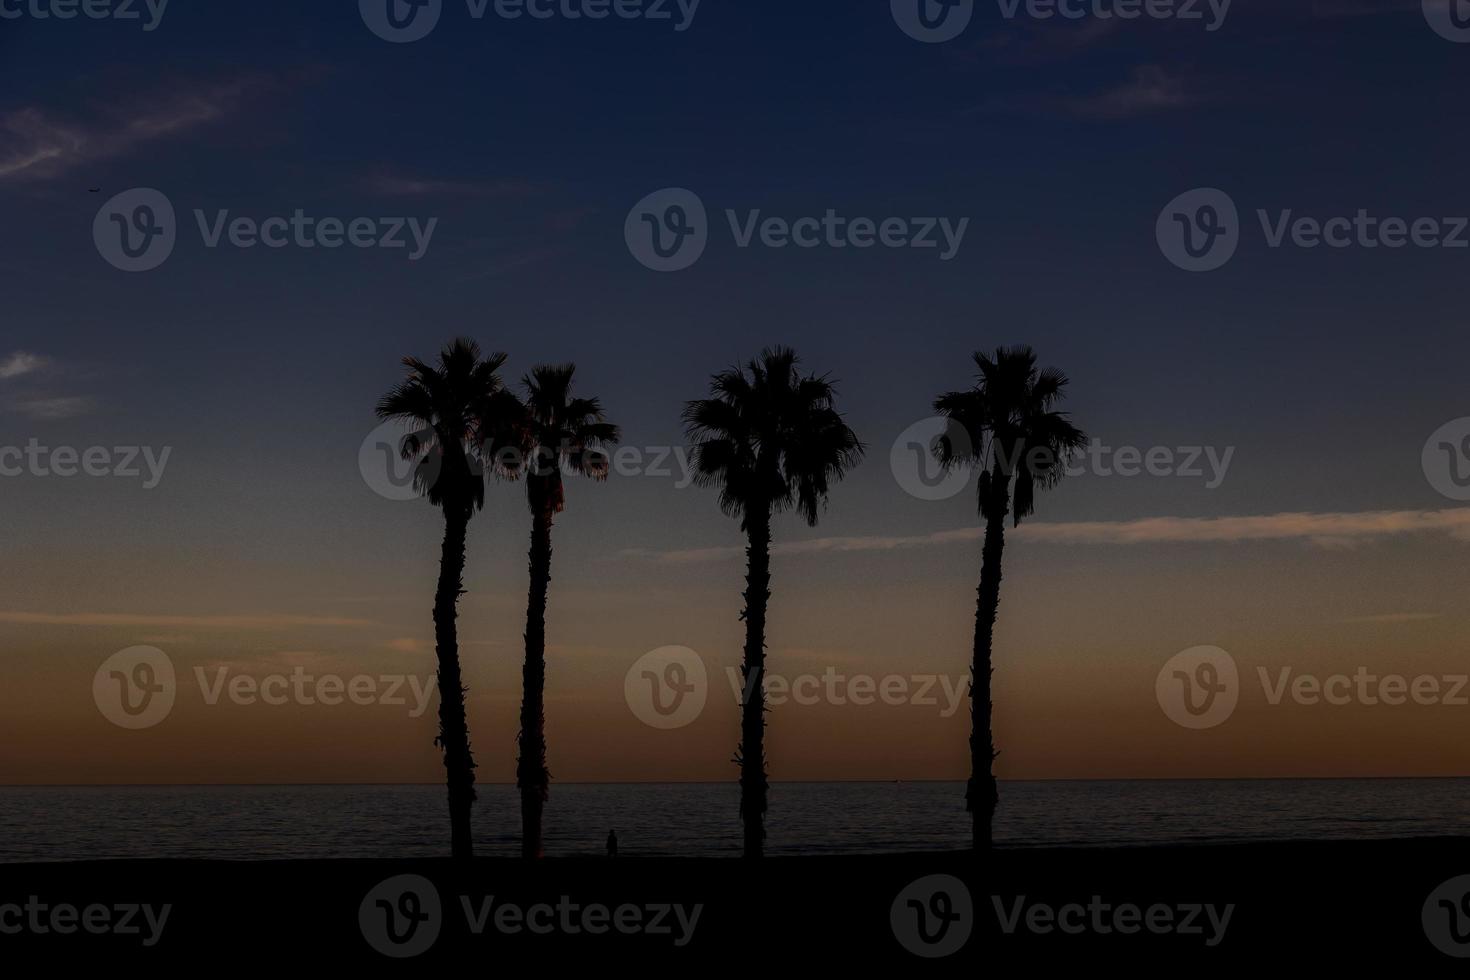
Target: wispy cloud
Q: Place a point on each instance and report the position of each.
(267, 621)
(1323, 530)
(54, 409)
(19, 364)
(1149, 89)
(37, 144)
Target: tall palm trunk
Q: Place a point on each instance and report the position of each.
(981, 795)
(454, 736)
(751, 754)
(531, 773)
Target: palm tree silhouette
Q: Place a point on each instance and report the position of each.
(1006, 427)
(559, 434)
(450, 404)
(771, 440)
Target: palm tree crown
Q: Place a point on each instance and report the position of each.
(561, 434)
(1008, 426)
(770, 437)
(454, 407)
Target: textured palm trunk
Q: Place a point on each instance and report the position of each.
(532, 776)
(981, 795)
(454, 735)
(751, 754)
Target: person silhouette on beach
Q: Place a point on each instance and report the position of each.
(612, 843)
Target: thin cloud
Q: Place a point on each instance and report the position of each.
(19, 364)
(246, 623)
(37, 145)
(1322, 530)
(54, 409)
(1150, 89)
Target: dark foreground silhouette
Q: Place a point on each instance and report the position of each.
(1236, 906)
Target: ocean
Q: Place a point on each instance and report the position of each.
(700, 819)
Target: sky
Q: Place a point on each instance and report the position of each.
(1315, 536)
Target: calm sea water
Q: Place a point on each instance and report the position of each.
(261, 822)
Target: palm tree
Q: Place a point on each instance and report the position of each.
(558, 434)
(1007, 427)
(771, 440)
(449, 404)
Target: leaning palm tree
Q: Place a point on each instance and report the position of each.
(558, 434)
(447, 404)
(1005, 426)
(771, 440)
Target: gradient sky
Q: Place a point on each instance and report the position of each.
(262, 548)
